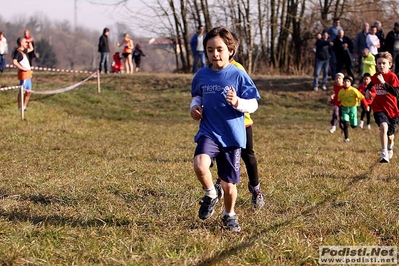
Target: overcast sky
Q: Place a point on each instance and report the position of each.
(93, 16)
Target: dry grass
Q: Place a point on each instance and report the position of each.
(107, 178)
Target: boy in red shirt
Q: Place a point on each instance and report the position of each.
(366, 104)
(385, 104)
(336, 115)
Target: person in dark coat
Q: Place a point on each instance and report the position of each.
(103, 49)
(344, 48)
(392, 46)
(137, 54)
(360, 44)
(322, 61)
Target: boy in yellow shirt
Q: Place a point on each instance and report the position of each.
(349, 98)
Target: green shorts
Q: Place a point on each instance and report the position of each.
(349, 114)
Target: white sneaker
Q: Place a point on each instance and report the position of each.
(332, 129)
(361, 123)
(384, 157)
(347, 140)
(315, 89)
(368, 126)
(324, 88)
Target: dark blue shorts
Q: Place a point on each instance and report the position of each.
(381, 117)
(227, 159)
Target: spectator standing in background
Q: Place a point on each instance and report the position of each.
(333, 33)
(373, 43)
(21, 62)
(137, 54)
(343, 48)
(322, 61)
(197, 48)
(369, 65)
(380, 35)
(360, 44)
(128, 45)
(392, 46)
(103, 49)
(3, 51)
(29, 39)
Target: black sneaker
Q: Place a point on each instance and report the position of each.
(207, 207)
(257, 197)
(219, 189)
(231, 223)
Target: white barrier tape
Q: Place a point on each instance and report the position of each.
(53, 69)
(67, 88)
(9, 88)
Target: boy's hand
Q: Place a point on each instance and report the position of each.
(381, 78)
(196, 112)
(231, 97)
(368, 95)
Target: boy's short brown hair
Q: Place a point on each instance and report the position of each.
(385, 55)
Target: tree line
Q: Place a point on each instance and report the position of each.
(276, 35)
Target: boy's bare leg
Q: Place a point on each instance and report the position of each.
(230, 196)
(202, 163)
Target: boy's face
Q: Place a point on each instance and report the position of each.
(339, 80)
(218, 53)
(383, 65)
(367, 80)
(347, 83)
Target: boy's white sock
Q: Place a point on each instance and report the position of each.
(228, 213)
(211, 192)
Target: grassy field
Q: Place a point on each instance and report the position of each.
(106, 178)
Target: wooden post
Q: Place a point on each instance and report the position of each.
(98, 81)
(22, 101)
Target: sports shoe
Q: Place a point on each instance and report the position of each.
(324, 88)
(332, 129)
(219, 189)
(257, 197)
(368, 126)
(347, 140)
(207, 207)
(315, 89)
(361, 123)
(231, 223)
(384, 157)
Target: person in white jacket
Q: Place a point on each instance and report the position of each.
(3, 51)
(372, 41)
